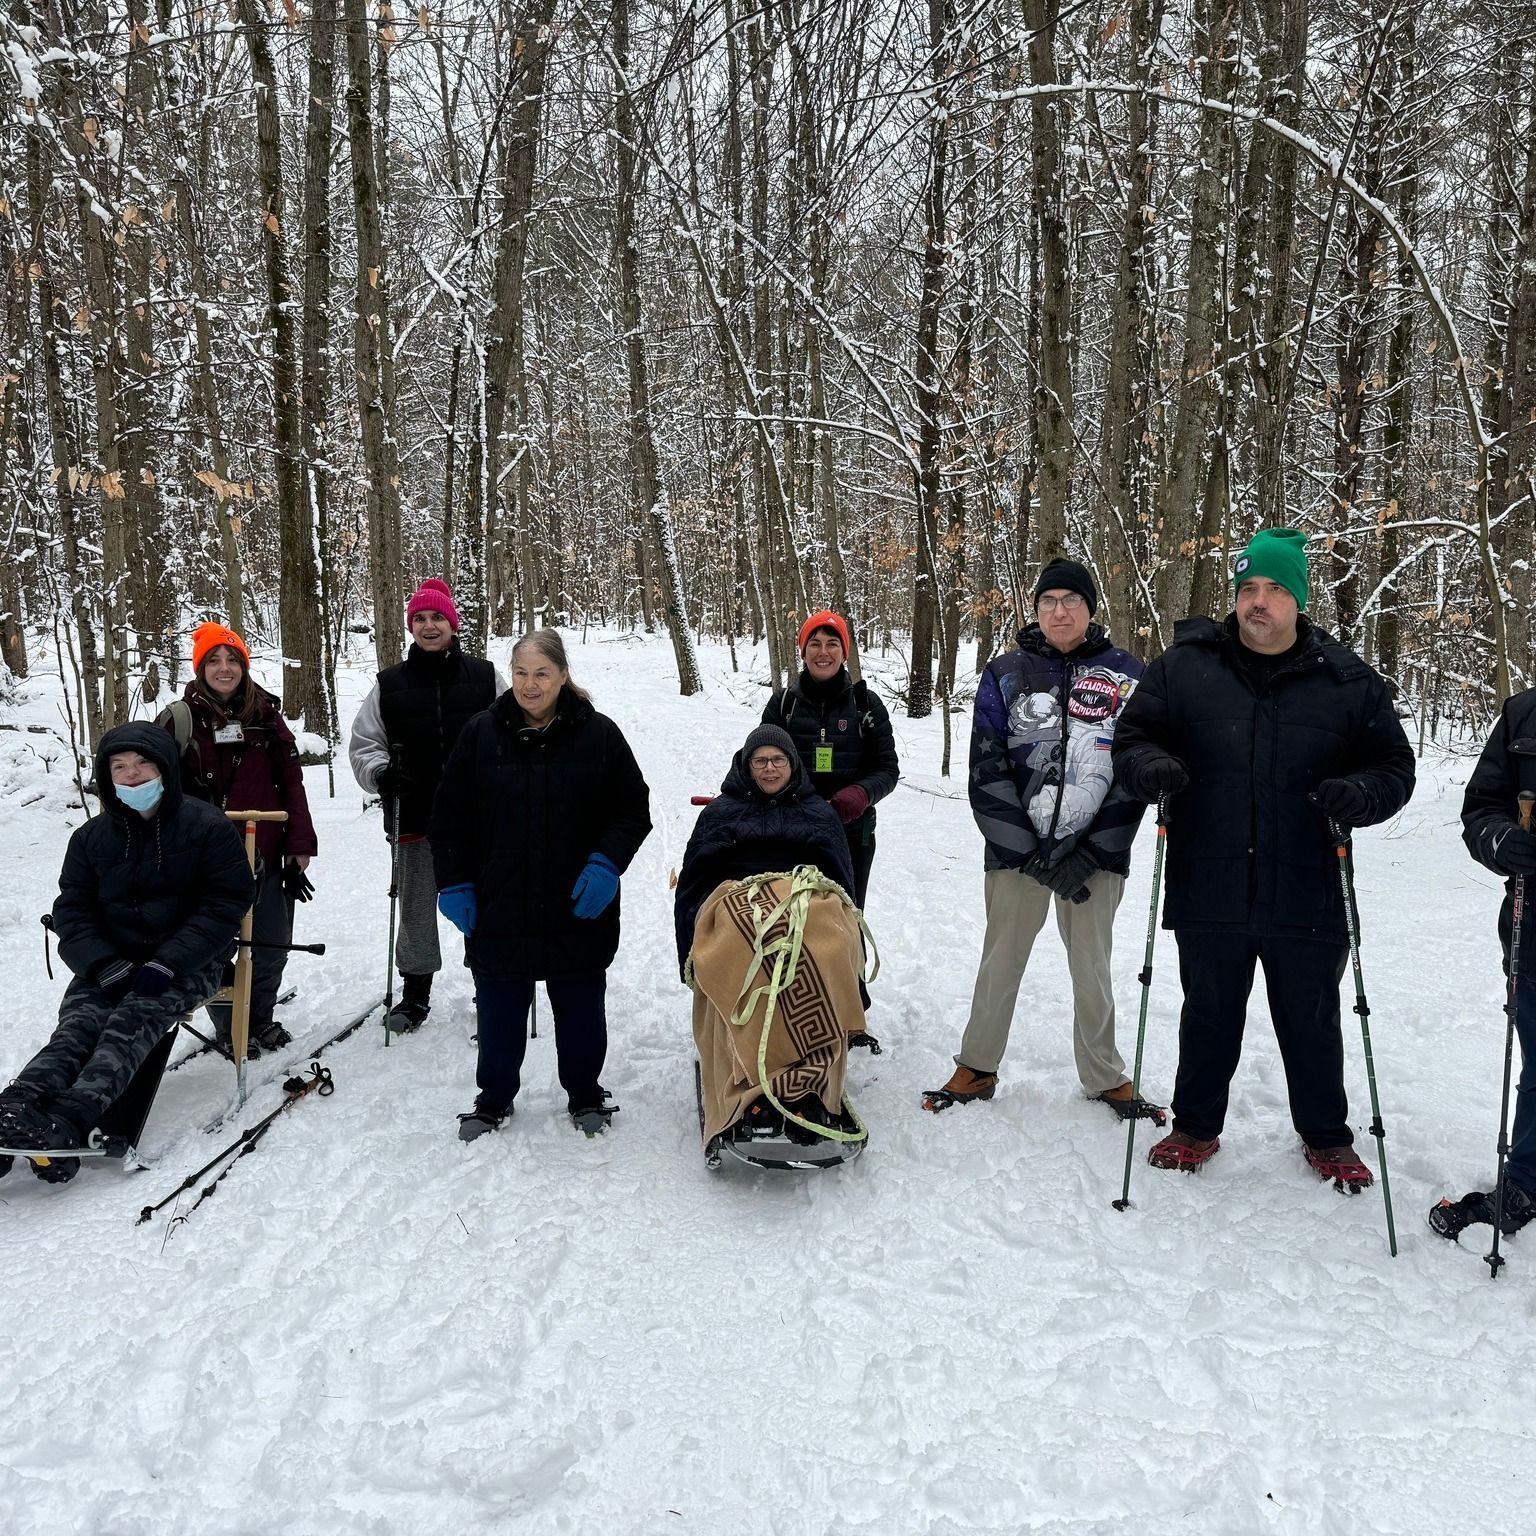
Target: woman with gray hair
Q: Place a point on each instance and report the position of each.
(540, 811)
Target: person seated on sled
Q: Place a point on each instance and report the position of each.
(767, 818)
(150, 901)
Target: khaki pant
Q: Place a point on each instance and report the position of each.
(1016, 912)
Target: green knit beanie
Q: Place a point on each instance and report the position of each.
(1278, 554)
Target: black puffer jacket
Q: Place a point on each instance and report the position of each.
(425, 702)
(1247, 850)
(851, 726)
(518, 814)
(742, 833)
(1491, 805)
(172, 888)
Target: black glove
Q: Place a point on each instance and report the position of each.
(393, 781)
(1068, 877)
(1151, 775)
(1514, 851)
(114, 979)
(297, 886)
(153, 979)
(1343, 800)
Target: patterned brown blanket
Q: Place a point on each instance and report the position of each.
(746, 930)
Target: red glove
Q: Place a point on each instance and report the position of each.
(850, 803)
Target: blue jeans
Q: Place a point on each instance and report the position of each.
(581, 1036)
(1522, 1140)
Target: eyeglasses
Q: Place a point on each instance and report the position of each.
(1068, 603)
(770, 760)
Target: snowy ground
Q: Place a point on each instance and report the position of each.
(372, 1329)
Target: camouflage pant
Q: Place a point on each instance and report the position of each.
(99, 1045)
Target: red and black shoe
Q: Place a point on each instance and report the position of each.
(1342, 1165)
(1182, 1151)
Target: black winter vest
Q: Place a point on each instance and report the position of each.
(845, 720)
(425, 701)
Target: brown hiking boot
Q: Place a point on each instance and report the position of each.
(963, 1086)
(1179, 1150)
(1129, 1105)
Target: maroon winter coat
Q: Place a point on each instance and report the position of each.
(260, 773)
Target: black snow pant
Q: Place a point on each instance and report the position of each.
(1302, 979)
(861, 849)
(581, 1036)
(271, 923)
(99, 1044)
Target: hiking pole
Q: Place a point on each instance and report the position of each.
(1493, 1258)
(394, 893)
(1123, 1203)
(1343, 847)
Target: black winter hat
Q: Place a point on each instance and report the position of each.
(1071, 576)
(771, 736)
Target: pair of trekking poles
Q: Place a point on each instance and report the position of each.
(1344, 853)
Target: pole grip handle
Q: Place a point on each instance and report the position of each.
(1527, 803)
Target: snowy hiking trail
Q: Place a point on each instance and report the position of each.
(370, 1328)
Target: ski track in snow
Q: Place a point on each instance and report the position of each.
(372, 1329)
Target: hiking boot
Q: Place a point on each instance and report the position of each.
(479, 1122)
(271, 1036)
(17, 1105)
(1180, 1150)
(56, 1170)
(1342, 1165)
(809, 1108)
(1129, 1105)
(1519, 1207)
(410, 1013)
(963, 1086)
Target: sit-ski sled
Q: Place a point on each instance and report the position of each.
(117, 1137)
(771, 1146)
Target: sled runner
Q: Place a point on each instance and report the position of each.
(118, 1134)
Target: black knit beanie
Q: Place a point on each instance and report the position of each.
(1071, 577)
(771, 736)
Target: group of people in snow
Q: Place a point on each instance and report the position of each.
(515, 811)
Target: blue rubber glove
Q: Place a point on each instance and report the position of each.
(457, 904)
(596, 886)
(153, 979)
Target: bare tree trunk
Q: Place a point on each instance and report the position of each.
(1521, 384)
(651, 503)
(371, 342)
(315, 332)
(1053, 387)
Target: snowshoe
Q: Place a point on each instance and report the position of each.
(862, 1040)
(1129, 1105)
(592, 1121)
(1186, 1153)
(1342, 1165)
(270, 1037)
(963, 1086)
(56, 1170)
(480, 1122)
(1450, 1218)
(410, 1013)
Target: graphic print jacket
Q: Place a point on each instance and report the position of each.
(1041, 780)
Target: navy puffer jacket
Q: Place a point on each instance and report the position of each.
(742, 832)
(172, 888)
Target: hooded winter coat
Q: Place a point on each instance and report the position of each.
(173, 888)
(1247, 850)
(518, 814)
(1041, 777)
(260, 772)
(1492, 803)
(743, 832)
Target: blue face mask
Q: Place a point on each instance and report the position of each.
(141, 797)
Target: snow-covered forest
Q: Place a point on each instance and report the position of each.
(698, 317)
